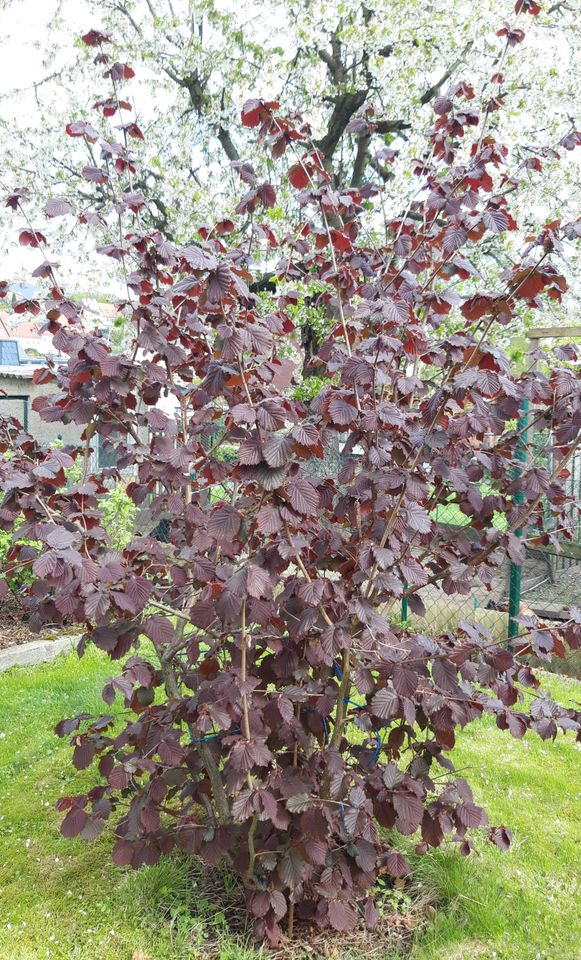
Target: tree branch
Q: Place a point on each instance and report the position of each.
(432, 91)
(227, 144)
(123, 9)
(210, 765)
(196, 88)
(335, 67)
(346, 105)
(361, 159)
(391, 126)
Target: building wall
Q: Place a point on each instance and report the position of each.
(17, 393)
(23, 387)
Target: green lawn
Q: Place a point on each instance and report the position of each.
(64, 900)
(450, 513)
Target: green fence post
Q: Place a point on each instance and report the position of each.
(515, 575)
(404, 607)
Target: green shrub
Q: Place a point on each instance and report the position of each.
(10, 543)
(119, 514)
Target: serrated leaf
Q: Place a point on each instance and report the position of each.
(224, 523)
(405, 681)
(392, 776)
(470, 815)
(268, 520)
(278, 903)
(397, 864)
(278, 450)
(58, 208)
(258, 581)
(74, 822)
(495, 220)
(417, 518)
(445, 675)
(159, 629)
(340, 411)
(291, 868)
(298, 803)
(60, 539)
(501, 837)
(304, 497)
(342, 916)
(409, 811)
(306, 434)
(385, 703)
(139, 590)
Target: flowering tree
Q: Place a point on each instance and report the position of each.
(280, 717)
(203, 60)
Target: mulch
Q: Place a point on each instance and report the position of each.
(394, 932)
(13, 630)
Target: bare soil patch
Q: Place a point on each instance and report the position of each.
(13, 630)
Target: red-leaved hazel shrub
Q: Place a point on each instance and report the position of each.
(269, 710)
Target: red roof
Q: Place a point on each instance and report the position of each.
(25, 329)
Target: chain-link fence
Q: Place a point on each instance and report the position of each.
(553, 583)
(547, 583)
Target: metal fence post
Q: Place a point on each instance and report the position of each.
(404, 607)
(515, 574)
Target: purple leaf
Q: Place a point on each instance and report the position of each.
(303, 496)
(74, 822)
(159, 629)
(278, 450)
(224, 523)
(342, 916)
(397, 864)
(385, 703)
(60, 539)
(409, 811)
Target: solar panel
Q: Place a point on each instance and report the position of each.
(9, 356)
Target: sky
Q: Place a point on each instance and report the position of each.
(28, 28)
(24, 29)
